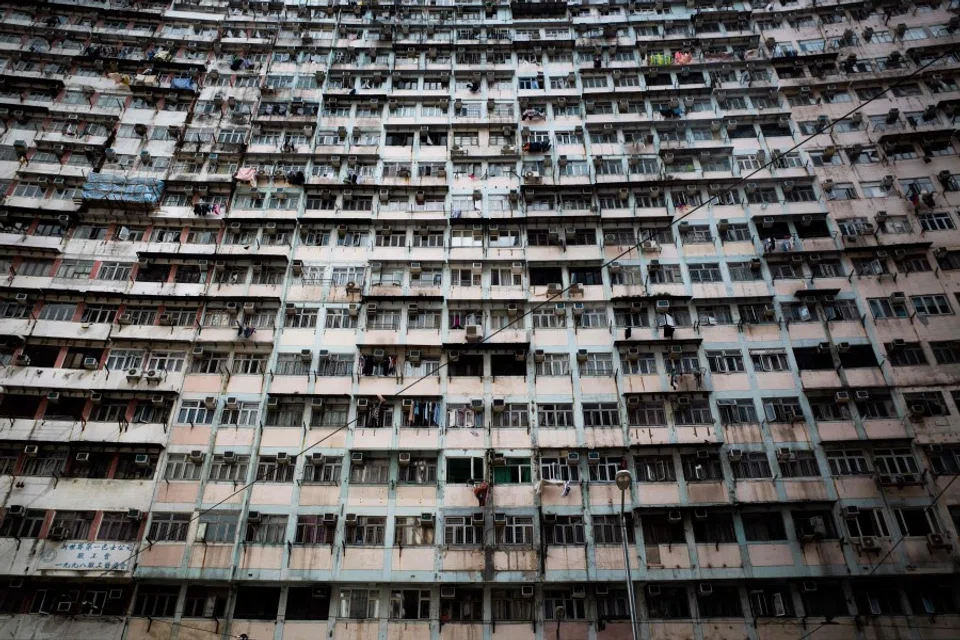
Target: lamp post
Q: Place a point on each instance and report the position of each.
(624, 481)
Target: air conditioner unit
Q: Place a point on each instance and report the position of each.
(53, 396)
(448, 593)
(784, 453)
(841, 396)
(141, 460)
(82, 457)
(196, 455)
(868, 543)
(851, 511)
(229, 457)
(937, 541)
(91, 363)
(526, 591)
(58, 533)
(653, 590)
(704, 589)
(663, 305)
(735, 454)
(356, 458)
(593, 457)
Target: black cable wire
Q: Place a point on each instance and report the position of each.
(650, 235)
(879, 562)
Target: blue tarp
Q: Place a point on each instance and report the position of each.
(183, 83)
(122, 189)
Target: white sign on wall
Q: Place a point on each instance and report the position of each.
(88, 556)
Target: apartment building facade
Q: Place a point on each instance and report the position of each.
(339, 321)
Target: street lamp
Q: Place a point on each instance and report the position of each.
(624, 481)
(559, 614)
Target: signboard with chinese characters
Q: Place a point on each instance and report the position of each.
(88, 556)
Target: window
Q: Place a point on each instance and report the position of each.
(267, 529)
(325, 470)
(737, 411)
(931, 305)
(76, 523)
(517, 530)
(512, 471)
(716, 528)
(194, 412)
(752, 464)
(895, 461)
(669, 603)
(229, 468)
(782, 409)
(156, 601)
(272, 469)
(563, 530)
(168, 527)
(607, 530)
(743, 272)
(313, 530)
(729, 361)
(181, 467)
(799, 464)
(605, 470)
(601, 414)
(370, 531)
(359, 604)
(553, 364)
(771, 601)
(946, 352)
(763, 527)
(509, 605)
(909, 354)
(61, 312)
(937, 221)
(513, 416)
(705, 272)
(709, 315)
(555, 415)
(926, 403)
(883, 308)
(634, 362)
(554, 468)
(694, 412)
(655, 469)
(867, 522)
(48, 463)
(410, 604)
(847, 462)
(647, 414)
(27, 526)
(371, 471)
(340, 319)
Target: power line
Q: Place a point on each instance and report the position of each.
(550, 297)
(879, 562)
